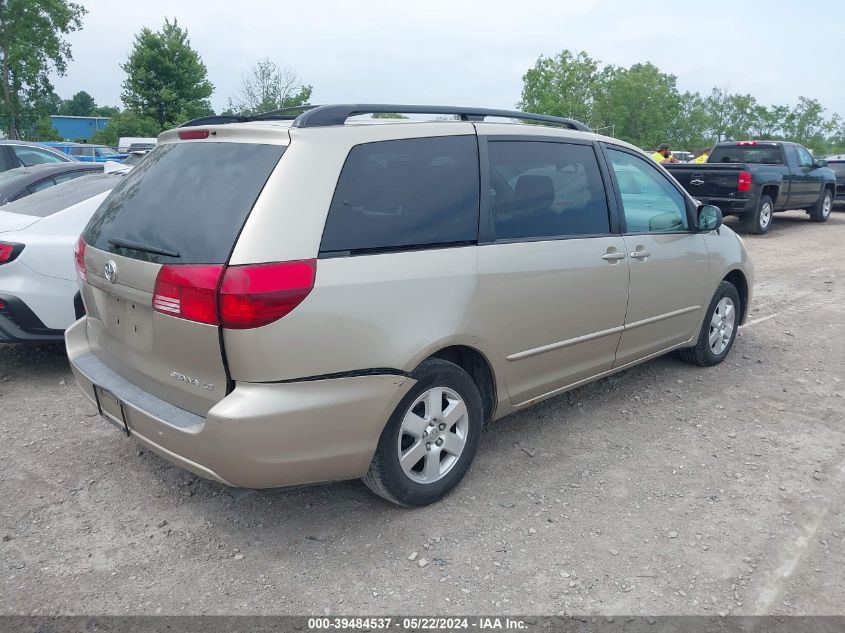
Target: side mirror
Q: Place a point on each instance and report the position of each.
(709, 218)
(820, 162)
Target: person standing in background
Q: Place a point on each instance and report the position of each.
(705, 154)
(663, 155)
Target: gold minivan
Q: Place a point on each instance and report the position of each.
(296, 298)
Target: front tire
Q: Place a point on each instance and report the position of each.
(430, 439)
(760, 221)
(718, 331)
(821, 211)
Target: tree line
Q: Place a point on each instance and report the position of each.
(167, 84)
(642, 105)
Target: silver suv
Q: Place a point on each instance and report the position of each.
(295, 299)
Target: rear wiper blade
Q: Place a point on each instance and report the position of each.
(145, 248)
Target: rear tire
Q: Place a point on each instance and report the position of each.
(760, 221)
(718, 332)
(430, 439)
(821, 210)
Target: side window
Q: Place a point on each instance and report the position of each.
(546, 189)
(804, 158)
(41, 185)
(649, 201)
(404, 194)
(70, 175)
(29, 156)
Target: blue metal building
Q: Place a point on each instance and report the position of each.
(78, 128)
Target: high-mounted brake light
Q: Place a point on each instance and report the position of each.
(9, 251)
(747, 143)
(188, 292)
(79, 259)
(744, 181)
(252, 296)
(190, 135)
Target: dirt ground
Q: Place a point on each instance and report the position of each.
(667, 489)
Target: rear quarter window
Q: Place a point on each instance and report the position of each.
(405, 194)
(185, 198)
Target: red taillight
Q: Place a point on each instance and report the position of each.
(79, 258)
(9, 251)
(255, 295)
(744, 183)
(238, 297)
(188, 292)
(190, 135)
(747, 143)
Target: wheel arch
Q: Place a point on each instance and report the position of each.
(771, 190)
(479, 368)
(740, 282)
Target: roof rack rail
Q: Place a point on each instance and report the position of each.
(321, 116)
(283, 114)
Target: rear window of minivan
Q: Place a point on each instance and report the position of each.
(189, 200)
(405, 194)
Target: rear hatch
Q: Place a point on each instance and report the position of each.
(150, 255)
(706, 181)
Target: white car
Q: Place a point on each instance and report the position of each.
(39, 296)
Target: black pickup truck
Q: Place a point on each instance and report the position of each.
(755, 179)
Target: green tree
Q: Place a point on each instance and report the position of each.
(267, 87)
(641, 103)
(768, 122)
(108, 111)
(44, 130)
(127, 123)
(691, 129)
(564, 85)
(805, 123)
(31, 47)
(80, 104)
(166, 80)
(731, 115)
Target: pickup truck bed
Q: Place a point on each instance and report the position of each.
(754, 179)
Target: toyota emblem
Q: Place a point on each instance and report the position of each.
(111, 270)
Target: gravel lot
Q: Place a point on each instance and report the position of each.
(667, 489)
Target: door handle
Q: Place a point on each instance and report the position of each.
(612, 257)
(640, 254)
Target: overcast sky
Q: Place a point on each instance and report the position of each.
(475, 52)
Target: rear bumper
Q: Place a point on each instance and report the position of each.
(19, 324)
(731, 206)
(261, 435)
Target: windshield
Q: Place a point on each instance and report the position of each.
(106, 151)
(62, 196)
(768, 154)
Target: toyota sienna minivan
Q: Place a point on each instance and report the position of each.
(290, 299)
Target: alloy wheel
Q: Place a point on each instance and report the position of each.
(722, 324)
(433, 435)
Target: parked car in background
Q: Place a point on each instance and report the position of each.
(134, 157)
(755, 179)
(37, 278)
(452, 285)
(140, 147)
(683, 156)
(23, 154)
(88, 153)
(837, 164)
(22, 181)
(125, 142)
